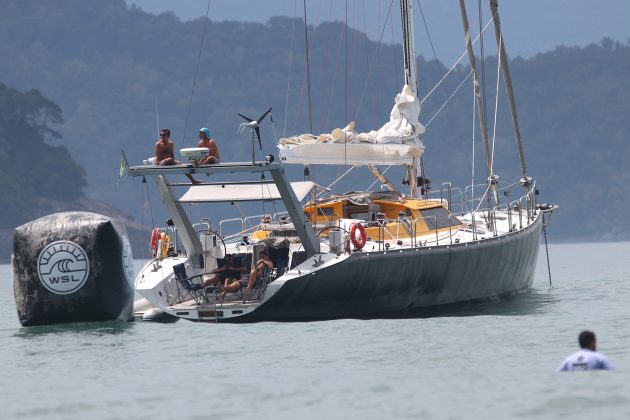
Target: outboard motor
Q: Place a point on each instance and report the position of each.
(72, 266)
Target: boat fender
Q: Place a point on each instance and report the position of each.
(357, 242)
(165, 240)
(155, 237)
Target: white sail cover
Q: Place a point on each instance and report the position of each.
(396, 142)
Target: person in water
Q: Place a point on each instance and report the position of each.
(164, 155)
(587, 358)
(205, 141)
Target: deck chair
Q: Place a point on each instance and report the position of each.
(186, 287)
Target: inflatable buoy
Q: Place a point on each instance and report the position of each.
(72, 267)
(357, 242)
(155, 237)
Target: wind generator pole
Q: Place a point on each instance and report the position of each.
(507, 79)
(411, 76)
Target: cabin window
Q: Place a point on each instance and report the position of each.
(325, 211)
(438, 218)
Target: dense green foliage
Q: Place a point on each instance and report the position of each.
(31, 168)
(105, 64)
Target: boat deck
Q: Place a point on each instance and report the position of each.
(212, 309)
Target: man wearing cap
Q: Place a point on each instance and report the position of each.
(205, 141)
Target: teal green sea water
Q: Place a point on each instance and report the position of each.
(493, 361)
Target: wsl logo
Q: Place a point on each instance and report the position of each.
(63, 267)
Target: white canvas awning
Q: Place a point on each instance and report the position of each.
(265, 191)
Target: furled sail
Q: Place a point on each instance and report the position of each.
(396, 142)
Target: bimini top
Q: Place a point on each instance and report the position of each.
(228, 192)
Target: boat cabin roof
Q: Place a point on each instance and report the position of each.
(364, 198)
(229, 192)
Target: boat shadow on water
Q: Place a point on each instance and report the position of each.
(96, 329)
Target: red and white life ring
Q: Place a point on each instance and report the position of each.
(155, 237)
(357, 242)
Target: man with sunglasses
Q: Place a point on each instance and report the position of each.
(164, 149)
(164, 155)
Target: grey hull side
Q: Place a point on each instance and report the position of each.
(378, 284)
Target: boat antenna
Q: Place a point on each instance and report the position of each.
(254, 126)
(507, 79)
(157, 115)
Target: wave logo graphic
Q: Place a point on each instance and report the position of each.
(63, 267)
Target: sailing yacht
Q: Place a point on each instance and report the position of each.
(359, 254)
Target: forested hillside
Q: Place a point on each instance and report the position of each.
(30, 168)
(106, 64)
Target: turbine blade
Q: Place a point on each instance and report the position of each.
(259, 120)
(258, 135)
(244, 117)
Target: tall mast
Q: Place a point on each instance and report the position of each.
(411, 76)
(476, 87)
(505, 69)
(409, 52)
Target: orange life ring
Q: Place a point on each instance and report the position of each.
(155, 237)
(358, 244)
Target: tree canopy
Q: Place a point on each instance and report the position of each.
(30, 167)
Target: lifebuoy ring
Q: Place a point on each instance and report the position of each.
(155, 237)
(358, 243)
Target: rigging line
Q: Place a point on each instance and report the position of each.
(496, 111)
(367, 58)
(192, 92)
(142, 218)
(302, 88)
(273, 202)
(144, 181)
(426, 27)
(323, 105)
(345, 93)
(327, 189)
(483, 63)
(449, 99)
(461, 57)
(375, 100)
(334, 81)
(286, 109)
(308, 73)
(369, 72)
(273, 127)
(474, 128)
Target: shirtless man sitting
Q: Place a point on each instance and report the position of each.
(164, 155)
(205, 141)
(164, 149)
